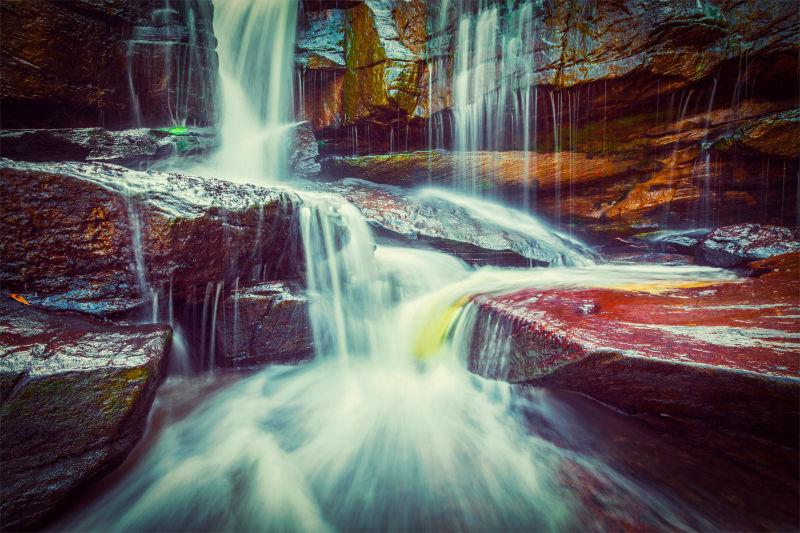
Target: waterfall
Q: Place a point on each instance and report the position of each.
(348, 301)
(256, 70)
(492, 80)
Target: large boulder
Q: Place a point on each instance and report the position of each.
(103, 239)
(479, 232)
(737, 245)
(266, 323)
(124, 147)
(722, 352)
(75, 397)
(114, 63)
(363, 63)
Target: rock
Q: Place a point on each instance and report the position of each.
(776, 134)
(304, 155)
(133, 66)
(362, 63)
(75, 397)
(266, 323)
(99, 238)
(320, 42)
(673, 241)
(721, 352)
(383, 75)
(477, 231)
(737, 245)
(125, 147)
(500, 171)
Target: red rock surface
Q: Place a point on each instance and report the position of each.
(726, 352)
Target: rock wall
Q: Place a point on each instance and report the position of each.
(114, 63)
(685, 113)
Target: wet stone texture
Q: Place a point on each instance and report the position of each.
(737, 245)
(266, 323)
(132, 147)
(75, 394)
(437, 222)
(113, 63)
(101, 239)
(725, 353)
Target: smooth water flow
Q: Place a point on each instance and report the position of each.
(493, 86)
(386, 430)
(256, 69)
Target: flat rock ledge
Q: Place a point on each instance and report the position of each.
(102, 239)
(725, 353)
(74, 397)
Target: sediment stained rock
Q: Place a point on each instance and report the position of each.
(75, 397)
(725, 353)
(98, 238)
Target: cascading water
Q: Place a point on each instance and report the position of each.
(385, 429)
(256, 68)
(493, 87)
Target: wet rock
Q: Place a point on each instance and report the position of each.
(100, 238)
(673, 241)
(125, 147)
(383, 75)
(304, 155)
(266, 323)
(479, 233)
(320, 42)
(133, 66)
(721, 352)
(362, 63)
(75, 397)
(495, 170)
(776, 134)
(737, 245)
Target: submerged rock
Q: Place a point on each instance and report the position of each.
(75, 397)
(266, 323)
(740, 244)
(722, 352)
(479, 232)
(124, 147)
(102, 239)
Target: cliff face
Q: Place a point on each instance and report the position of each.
(683, 112)
(114, 63)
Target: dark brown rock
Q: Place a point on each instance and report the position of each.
(115, 63)
(267, 323)
(98, 238)
(136, 147)
(75, 398)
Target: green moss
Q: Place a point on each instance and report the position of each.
(176, 130)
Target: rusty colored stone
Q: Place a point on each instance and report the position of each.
(723, 352)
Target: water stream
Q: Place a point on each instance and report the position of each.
(386, 429)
